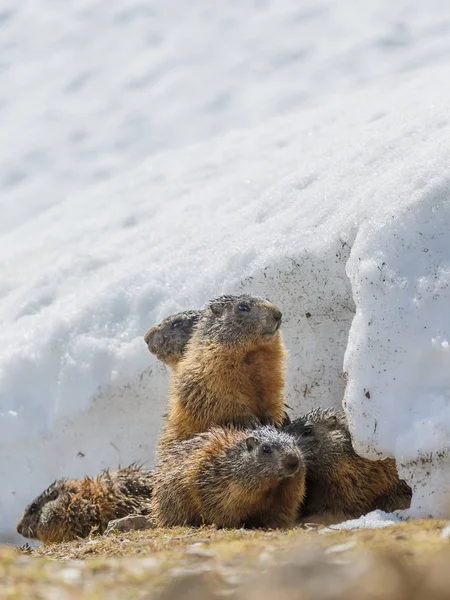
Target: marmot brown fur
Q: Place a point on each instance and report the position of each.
(339, 483)
(232, 371)
(70, 509)
(168, 340)
(229, 478)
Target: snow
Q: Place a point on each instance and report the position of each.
(377, 519)
(90, 88)
(129, 193)
(398, 353)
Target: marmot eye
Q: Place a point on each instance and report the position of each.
(266, 449)
(177, 324)
(33, 508)
(243, 307)
(307, 431)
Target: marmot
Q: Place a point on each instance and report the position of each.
(70, 509)
(229, 478)
(168, 340)
(339, 483)
(232, 371)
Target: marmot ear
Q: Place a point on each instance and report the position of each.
(251, 442)
(53, 495)
(333, 420)
(217, 307)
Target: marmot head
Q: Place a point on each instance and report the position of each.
(46, 517)
(168, 340)
(265, 453)
(239, 320)
(323, 436)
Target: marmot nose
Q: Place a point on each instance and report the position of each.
(291, 463)
(19, 527)
(277, 314)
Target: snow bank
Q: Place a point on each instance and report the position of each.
(277, 211)
(320, 210)
(398, 355)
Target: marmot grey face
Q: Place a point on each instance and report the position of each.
(45, 512)
(236, 319)
(168, 340)
(322, 433)
(266, 452)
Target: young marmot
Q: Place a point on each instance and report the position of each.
(339, 483)
(70, 509)
(230, 478)
(168, 340)
(232, 371)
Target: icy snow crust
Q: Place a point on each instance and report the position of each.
(377, 519)
(325, 211)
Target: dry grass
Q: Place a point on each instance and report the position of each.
(185, 563)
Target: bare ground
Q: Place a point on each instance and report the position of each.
(205, 563)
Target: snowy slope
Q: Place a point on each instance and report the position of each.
(303, 207)
(90, 88)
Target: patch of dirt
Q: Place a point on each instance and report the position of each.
(208, 563)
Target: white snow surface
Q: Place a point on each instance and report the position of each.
(398, 354)
(333, 202)
(91, 87)
(377, 519)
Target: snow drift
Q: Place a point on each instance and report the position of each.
(338, 213)
(398, 355)
(347, 202)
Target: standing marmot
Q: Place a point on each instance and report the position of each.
(168, 340)
(232, 371)
(70, 509)
(339, 483)
(229, 478)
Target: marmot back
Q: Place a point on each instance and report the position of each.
(339, 483)
(232, 371)
(70, 509)
(168, 340)
(230, 478)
